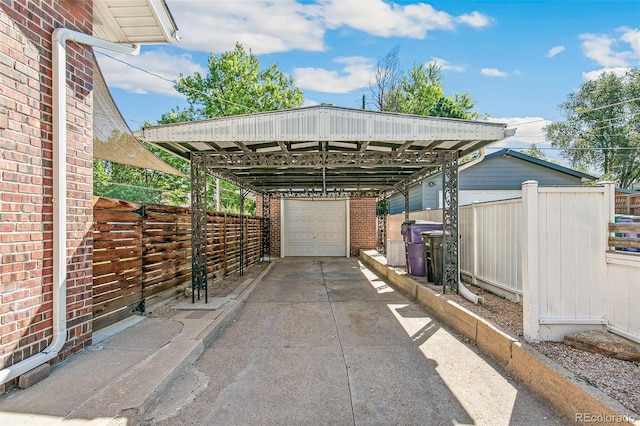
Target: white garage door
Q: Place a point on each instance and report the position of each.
(314, 227)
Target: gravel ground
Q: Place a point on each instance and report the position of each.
(617, 378)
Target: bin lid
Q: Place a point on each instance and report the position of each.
(436, 233)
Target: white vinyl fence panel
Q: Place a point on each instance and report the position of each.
(564, 270)
(623, 279)
(498, 244)
(550, 250)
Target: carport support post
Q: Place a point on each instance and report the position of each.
(241, 202)
(451, 270)
(198, 226)
(266, 228)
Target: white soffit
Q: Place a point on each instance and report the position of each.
(134, 21)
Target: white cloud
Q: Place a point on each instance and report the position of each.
(493, 72)
(529, 131)
(555, 50)
(593, 75)
(599, 48)
(393, 19)
(262, 26)
(118, 74)
(267, 26)
(355, 74)
(474, 19)
(447, 66)
(631, 36)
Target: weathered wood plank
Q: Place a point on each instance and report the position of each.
(620, 242)
(116, 254)
(631, 228)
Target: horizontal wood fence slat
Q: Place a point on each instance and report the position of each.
(141, 250)
(626, 236)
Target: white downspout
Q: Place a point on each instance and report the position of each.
(59, 61)
(464, 291)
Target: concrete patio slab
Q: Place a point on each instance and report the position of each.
(270, 386)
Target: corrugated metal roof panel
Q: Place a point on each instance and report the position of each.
(327, 124)
(322, 147)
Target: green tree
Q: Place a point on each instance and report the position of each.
(420, 91)
(417, 91)
(235, 84)
(535, 152)
(601, 130)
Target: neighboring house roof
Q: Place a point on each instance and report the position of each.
(540, 162)
(626, 191)
(499, 175)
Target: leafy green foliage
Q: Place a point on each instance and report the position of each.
(235, 84)
(535, 152)
(418, 91)
(601, 130)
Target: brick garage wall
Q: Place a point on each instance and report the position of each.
(26, 177)
(274, 222)
(362, 221)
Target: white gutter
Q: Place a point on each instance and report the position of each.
(59, 39)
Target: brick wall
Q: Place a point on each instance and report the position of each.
(362, 221)
(26, 177)
(274, 222)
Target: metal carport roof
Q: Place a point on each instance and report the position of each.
(324, 149)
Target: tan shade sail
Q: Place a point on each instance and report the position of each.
(112, 138)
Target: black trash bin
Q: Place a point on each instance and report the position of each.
(433, 255)
(413, 245)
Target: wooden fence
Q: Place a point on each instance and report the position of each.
(628, 204)
(141, 250)
(625, 236)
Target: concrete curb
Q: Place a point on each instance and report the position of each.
(211, 333)
(577, 401)
(169, 362)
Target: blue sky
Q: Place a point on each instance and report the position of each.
(517, 59)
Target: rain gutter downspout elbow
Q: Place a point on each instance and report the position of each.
(59, 39)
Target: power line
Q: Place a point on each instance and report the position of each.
(174, 82)
(578, 112)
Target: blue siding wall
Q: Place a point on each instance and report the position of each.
(396, 202)
(499, 174)
(504, 173)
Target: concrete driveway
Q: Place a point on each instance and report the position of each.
(323, 341)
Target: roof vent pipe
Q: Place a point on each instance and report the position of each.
(59, 39)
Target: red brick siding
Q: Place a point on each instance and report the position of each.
(26, 231)
(362, 222)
